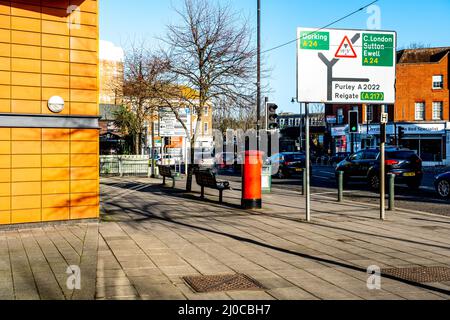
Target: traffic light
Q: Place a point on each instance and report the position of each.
(401, 133)
(353, 122)
(272, 116)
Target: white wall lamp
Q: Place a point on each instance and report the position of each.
(56, 104)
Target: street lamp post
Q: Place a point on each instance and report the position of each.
(258, 77)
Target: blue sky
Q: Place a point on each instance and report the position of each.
(419, 21)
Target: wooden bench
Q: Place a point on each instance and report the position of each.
(207, 179)
(166, 172)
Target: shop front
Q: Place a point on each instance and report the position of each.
(429, 140)
(339, 139)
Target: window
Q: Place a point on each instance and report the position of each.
(437, 110)
(297, 122)
(340, 114)
(206, 129)
(438, 82)
(206, 112)
(357, 156)
(370, 155)
(291, 122)
(420, 111)
(282, 122)
(369, 113)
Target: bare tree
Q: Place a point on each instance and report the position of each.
(211, 57)
(228, 115)
(142, 72)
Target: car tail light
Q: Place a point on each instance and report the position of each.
(391, 162)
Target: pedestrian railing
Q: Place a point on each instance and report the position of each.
(125, 166)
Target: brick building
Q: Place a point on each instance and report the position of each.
(48, 111)
(421, 109)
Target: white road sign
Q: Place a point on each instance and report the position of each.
(169, 126)
(346, 66)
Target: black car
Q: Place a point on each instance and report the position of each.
(340, 156)
(289, 164)
(365, 165)
(442, 184)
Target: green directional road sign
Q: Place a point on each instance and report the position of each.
(315, 40)
(378, 50)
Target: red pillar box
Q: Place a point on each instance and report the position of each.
(251, 180)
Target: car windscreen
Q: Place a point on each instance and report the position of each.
(402, 155)
(295, 157)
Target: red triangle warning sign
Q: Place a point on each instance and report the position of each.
(346, 49)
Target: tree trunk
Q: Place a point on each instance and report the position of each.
(137, 145)
(191, 167)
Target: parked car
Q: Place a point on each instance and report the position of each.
(442, 184)
(289, 164)
(339, 157)
(365, 165)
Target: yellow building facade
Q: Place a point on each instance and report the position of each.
(48, 111)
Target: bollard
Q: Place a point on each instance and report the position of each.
(391, 192)
(341, 186)
(304, 183)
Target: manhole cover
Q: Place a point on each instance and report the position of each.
(233, 282)
(420, 275)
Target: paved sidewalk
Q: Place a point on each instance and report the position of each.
(150, 237)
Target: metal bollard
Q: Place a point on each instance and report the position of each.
(341, 186)
(391, 192)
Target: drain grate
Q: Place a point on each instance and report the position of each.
(220, 283)
(420, 275)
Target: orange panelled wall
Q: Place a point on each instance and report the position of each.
(48, 174)
(40, 56)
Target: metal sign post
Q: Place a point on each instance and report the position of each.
(383, 121)
(341, 66)
(307, 166)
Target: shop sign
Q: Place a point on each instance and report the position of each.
(339, 131)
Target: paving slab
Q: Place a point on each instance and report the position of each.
(149, 238)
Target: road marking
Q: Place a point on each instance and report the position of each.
(327, 173)
(322, 178)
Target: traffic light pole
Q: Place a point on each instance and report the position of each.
(258, 76)
(266, 101)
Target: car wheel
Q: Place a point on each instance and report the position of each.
(280, 174)
(374, 182)
(443, 188)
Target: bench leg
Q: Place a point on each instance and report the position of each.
(164, 181)
(220, 196)
(203, 193)
(173, 183)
